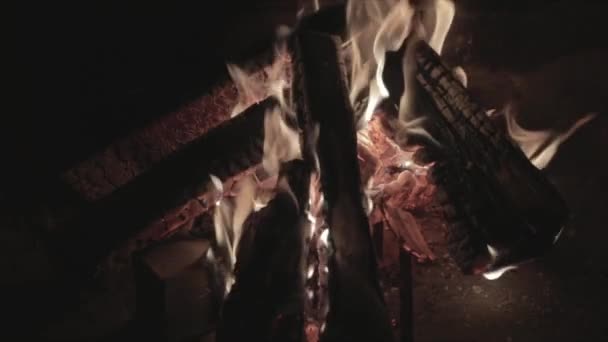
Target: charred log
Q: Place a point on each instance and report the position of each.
(504, 209)
(168, 185)
(357, 311)
(266, 301)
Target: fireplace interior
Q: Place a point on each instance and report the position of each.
(273, 170)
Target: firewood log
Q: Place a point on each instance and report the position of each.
(266, 301)
(357, 311)
(232, 147)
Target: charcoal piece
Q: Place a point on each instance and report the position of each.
(357, 311)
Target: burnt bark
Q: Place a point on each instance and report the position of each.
(357, 311)
(499, 198)
(230, 148)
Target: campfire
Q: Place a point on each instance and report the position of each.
(355, 151)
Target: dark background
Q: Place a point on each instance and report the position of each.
(85, 73)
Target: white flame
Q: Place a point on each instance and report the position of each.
(324, 237)
(281, 142)
(218, 188)
(311, 271)
(559, 234)
(495, 274)
(255, 86)
(228, 222)
(493, 251)
(541, 146)
(436, 18)
(376, 27)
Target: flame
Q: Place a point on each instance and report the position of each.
(272, 80)
(495, 274)
(228, 220)
(324, 236)
(376, 27)
(218, 188)
(435, 20)
(310, 272)
(281, 142)
(317, 300)
(541, 146)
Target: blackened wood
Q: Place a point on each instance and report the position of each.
(500, 194)
(266, 301)
(357, 311)
(230, 148)
(406, 300)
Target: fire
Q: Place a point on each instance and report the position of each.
(281, 144)
(394, 184)
(317, 301)
(495, 274)
(253, 86)
(228, 221)
(374, 27)
(377, 27)
(541, 146)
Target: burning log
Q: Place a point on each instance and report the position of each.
(128, 157)
(406, 300)
(168, 185)
(504, 209)
(357, 311)
(266, 301)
